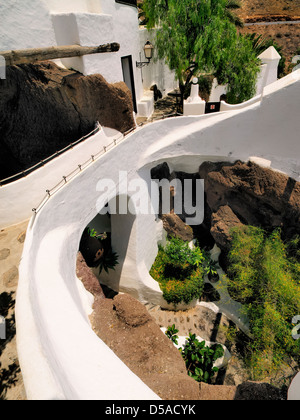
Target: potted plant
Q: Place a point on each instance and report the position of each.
(108, 261)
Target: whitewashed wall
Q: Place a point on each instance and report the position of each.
(43, 23)
(52, 308)
(157, 72)
(25, 24)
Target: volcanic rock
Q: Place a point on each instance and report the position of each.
(43, 108)
(91, 249)
(256, 196)
(174, 226)
(259, 391)
(89, 280)
(125, 325)
(221, 223)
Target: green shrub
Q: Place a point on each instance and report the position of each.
(109, 261)
(179, 271)
(199, 359)
(266, 280)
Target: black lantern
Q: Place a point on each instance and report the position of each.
(148, 50)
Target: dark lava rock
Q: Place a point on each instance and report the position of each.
(43, 108)
(249, 194)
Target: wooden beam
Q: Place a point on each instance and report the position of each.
(33, 55)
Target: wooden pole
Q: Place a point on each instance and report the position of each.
(33, 55)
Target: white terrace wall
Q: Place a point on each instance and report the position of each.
(18, 198)
(53, 331)
(43, 23)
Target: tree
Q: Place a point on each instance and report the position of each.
(233, 17)
(196, 37)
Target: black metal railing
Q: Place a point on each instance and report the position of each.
(65, 179)
(48, 159)
(128, 2)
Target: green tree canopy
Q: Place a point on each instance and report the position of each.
(196, 37)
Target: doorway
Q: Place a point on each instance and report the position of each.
(129, 78)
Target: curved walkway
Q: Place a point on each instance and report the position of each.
(52, 307)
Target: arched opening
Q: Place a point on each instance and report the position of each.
(108, 241)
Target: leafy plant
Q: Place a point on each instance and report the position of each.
(211, 267)
(179, 271)
(171, 333)
(180, 254)
(94, 234)
(108, 261)
(260, 44)
(200, 359)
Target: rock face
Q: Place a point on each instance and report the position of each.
(259, 391)
(221, 223)
(127, 328)
(174, 226)
(245, 193)
(43, 108)
(89, 280)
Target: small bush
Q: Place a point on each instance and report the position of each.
(199, 359)
(179, 271)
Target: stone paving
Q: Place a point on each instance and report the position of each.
(162, 108)
(11, 248)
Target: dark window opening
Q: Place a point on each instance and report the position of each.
(128, 2)
(128, 78)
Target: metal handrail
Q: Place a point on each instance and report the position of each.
(91, 160)
(43, 162)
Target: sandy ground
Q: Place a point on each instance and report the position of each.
(287, 36)
(11, 247)
(269, 7)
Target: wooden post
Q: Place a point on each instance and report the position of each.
(33, 55)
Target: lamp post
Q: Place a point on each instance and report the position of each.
(148, 50)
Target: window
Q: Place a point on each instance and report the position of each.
(128, 2)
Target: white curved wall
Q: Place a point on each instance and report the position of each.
(294, 390)
(228, 107)
(53, 331)
(18, 198)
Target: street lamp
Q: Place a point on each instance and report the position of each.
(148, 50)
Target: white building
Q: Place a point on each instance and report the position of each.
(45, 23)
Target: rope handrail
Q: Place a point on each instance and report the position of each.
(92, 159)
(43, 162)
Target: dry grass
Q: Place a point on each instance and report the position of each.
(287, 36)
(267, 8)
